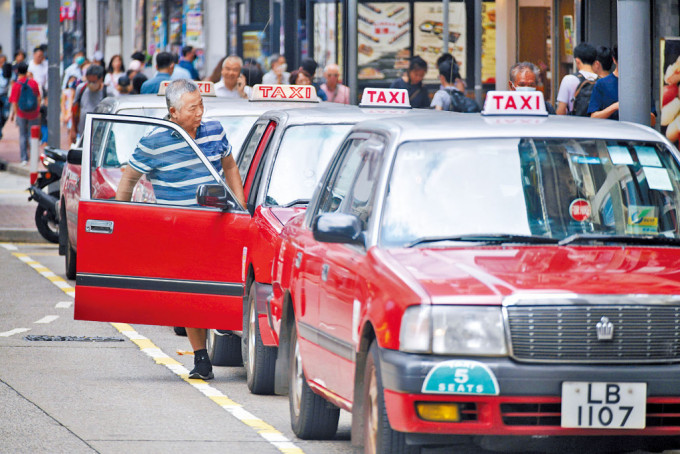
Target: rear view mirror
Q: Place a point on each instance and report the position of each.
(215, 195)
(75, 156)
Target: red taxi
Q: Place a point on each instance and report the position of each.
(114, 143)
(461, 279)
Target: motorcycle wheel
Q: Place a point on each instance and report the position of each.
(47, 224)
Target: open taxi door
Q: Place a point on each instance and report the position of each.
(154, 260)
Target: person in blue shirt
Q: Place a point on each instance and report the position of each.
(175, 172)
(165, 65)
(187, 61)
(604, 101)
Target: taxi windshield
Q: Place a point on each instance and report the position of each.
(531, 187)
(303, 155)
(236, 127)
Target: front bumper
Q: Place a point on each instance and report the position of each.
(529, 400)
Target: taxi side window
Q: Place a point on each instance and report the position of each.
(340, 182)
(249, 149)
(360, 201)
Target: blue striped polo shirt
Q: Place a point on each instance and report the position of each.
(172, 166)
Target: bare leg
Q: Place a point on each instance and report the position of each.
(197, 338)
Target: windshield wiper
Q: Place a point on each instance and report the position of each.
(632, 239)
(296, 202)
(487, 238)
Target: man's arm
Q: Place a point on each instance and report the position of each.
(233, 178)
(606, 112)
(561, 108)
(127, 184)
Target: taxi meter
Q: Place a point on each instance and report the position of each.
(299, 93)
(205, 88)
(385, 97)
(514, 103)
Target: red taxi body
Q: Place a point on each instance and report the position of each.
(413, 294)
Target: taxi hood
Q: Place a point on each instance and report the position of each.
(486, 275)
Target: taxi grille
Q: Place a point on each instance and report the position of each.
(569, 333)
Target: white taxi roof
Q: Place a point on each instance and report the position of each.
(331, 113)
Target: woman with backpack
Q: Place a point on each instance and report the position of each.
(25, 100)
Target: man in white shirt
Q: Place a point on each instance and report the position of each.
(233, 83)
(584, 56)
(278, 73)
(38, 67)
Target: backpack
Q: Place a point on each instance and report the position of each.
(581, 97)
(28, 101)
(461, 103)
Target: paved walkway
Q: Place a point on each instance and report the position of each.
(17, 213)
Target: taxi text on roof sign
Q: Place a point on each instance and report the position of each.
(385, 97)
(296, 93)
(514, 103)
(204, 87)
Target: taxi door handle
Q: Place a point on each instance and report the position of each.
(324, 272)
(95, 226)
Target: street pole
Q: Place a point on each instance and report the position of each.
(53, 77)
(24, 33)
(635, 67)
(352, 50)
(478, 52)
(445, 28)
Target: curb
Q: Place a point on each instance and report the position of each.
(17, 235)
(14, 168)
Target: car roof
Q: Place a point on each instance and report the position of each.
(449, 125)
(332, 113)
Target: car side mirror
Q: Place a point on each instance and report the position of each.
(75, 156)
(338, 228)
(215, 195)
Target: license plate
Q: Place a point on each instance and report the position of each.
(599, 405)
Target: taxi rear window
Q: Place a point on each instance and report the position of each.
(531, 186)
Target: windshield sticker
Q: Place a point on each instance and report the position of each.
(586, 160)
(461, 377)
(642, 219)
(647, 156)
(579, 210)
(619, 155)
(657, 178)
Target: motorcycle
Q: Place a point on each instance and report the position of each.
(45, 191)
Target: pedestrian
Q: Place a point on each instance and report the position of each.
(602, 66)
(175, 177)
(412, 80)
(584, 57)
(233, 83)
(277, 74)
(124, 86)
(88, 95)
(450, 97)
(67, 95)
(38, 67)
(252, 72)
(137, 62)
(309, 66)
(335, 91)
(74, 69)
(604, 101)
(137, 82)
(19, 56)
(165, 64)
(524, 76)
(115, 70)
(21, 112)
(5, 81)
(179, 72)
(187, 61)
(98, 59)
(300, 77)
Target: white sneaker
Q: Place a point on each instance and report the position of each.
(24, 163)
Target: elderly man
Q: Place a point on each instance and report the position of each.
(335, 91)
(175, 176)
(524, 76)
(233, 83)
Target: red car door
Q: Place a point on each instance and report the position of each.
(154, 263)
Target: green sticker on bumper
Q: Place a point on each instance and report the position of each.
(461, 377)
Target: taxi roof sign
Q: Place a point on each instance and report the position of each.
(385, 97)
(514, 103)
(206, 88)
(289, 93)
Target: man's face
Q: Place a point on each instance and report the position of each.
(190, 56)
(332, 76)
(525, 79)
(416, 75)
(230, 72)
(38, 56)
(94, 83)
(191, 112)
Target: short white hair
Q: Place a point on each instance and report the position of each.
(175, 90)
(234, 59)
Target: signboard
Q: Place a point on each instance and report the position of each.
(427, 35)
(670, 79)
(488, 43)
(384, 40)
(324, 34)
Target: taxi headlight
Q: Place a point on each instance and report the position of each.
(453, 330)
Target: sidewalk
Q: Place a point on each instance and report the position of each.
(17, 213)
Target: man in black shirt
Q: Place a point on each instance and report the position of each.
(412, 80)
